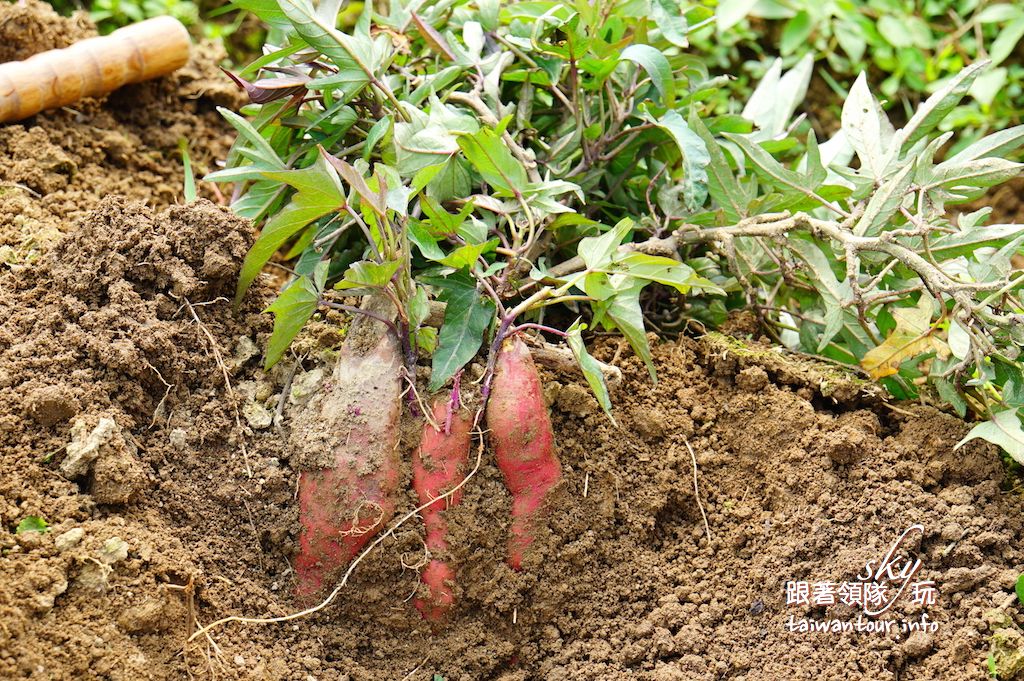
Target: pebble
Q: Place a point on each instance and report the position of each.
(69, 540)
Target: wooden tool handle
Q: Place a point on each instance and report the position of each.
(92, 67)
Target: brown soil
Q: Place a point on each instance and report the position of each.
(116, 428)
(168, 507)
(56, 166)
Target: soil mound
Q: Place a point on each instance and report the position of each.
(57, 165)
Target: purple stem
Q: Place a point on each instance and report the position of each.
(540, 327)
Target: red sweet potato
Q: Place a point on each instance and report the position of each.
(523, 442)
(440, 464)
(348, 455)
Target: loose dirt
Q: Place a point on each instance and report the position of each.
(56, 166)
(170, 496)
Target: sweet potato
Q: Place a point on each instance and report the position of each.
(347, 441)
(440, 464)
(523, 442)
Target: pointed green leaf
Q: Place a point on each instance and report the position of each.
(597, 251)
(368, 274)
(885, 202)
(695, 158)
(292, 310)
(466, 317)
(722, 184)
(488, 154)
(1003, 430)
(590, 368)
(938, 106)
(656, 66)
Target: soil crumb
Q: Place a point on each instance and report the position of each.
(58, 165)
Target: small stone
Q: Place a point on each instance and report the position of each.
(305, 384)
(69, 540)
(93, 576)
(918, 644)
(257, 416)
(179, 439)
(85, 446)
(51, 404)
(114, 550)
(145, 618)
(264, 390)
(239, 661)
(246, 349)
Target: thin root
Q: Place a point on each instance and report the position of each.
(696, 490)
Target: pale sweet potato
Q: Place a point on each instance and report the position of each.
(348, 454)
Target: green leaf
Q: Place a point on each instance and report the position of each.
(665, 271)
(732, 12)
(368, 274)
(1007, 42)
(590, 368)
(656, 66)
(998, 143)
(319, 193)
(695, 158)
(425, 338)
(1003, 430)
(466, 317)
(32, 523)
(624, 310)
(424, 240)
(965, 180)
(868, 129)
(488, 154)
(376, 201)
(988, 86)
(795, 33)
(419, 307)
(833, 292)
(722, 184)
(420, 144)
(948, 392)
(379, 130)
(767, 166)
(885, 202)
(344, 50)
(597, 251)
(938, 106)
(851, 38)
(292, 310)
(259, 146)
(466, 256)
(441, 221)
(267, 10)
(670, 19)
(1019, 589)
(190, 177)
(952, 246)
(997, 14)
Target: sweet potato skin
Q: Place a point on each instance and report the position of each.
(349, 460)
(439, 464)
(524, 443)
